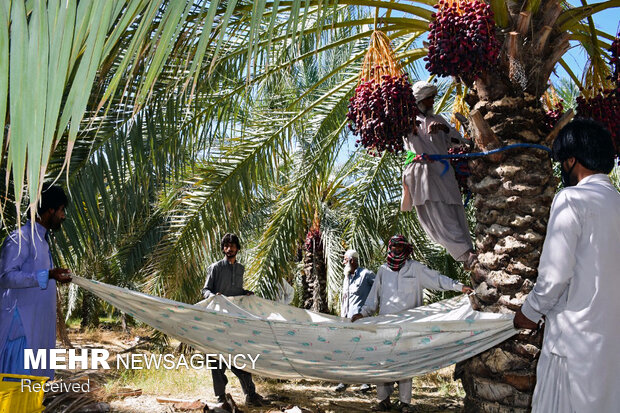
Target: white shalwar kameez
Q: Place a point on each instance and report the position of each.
(578, 291)
(396, 291)
(436, 197)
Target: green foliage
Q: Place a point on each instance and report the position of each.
(200, 118)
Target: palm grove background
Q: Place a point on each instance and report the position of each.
(173, 122)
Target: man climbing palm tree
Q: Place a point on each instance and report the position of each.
(430, 187)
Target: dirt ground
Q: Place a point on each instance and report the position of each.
(166, 391)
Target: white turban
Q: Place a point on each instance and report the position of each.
(352, 254)
(422, 90)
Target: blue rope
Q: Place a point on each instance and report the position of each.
(442, 158)
(467, 199)
(436, 157)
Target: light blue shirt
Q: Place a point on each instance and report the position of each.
(355, 289)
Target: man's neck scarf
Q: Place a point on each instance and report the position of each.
(396, 261)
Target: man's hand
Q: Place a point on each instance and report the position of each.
(467, 290)
(521, 321)
(356, 317)
(435, 127)
(60, 274)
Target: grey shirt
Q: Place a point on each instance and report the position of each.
(224, 278)
(355, 289)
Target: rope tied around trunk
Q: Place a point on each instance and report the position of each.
(413, 157)
(425, 157)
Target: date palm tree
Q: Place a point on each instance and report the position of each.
(512, 192)
(249, 100)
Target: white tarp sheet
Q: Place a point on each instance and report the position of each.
(296, 343)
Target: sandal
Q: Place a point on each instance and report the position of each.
(383, 406)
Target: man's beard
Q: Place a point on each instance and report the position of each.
(347, 269)
(567, 179)
(426, 111)
(56, 224)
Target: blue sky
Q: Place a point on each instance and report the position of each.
(606, 21)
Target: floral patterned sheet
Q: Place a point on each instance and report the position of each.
(294, 343)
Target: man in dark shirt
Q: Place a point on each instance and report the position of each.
(225, 277)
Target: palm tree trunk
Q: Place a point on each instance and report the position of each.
(90, 310)
(61, 327)
(314, 276)
(513, 198)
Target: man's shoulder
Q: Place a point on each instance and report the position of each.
(365, 272)
(223, 263)
(23, 234)
(217, 264)
(413, 265)
(436, 117)
(596, 182)
(572, 196)
(597, 194)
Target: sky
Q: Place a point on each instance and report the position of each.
(606, 21)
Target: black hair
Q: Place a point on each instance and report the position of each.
(231, 239)
(52, 197)
(588, 142)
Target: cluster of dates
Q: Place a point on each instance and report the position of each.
(462, 40)
(382, 112)
(461, 166)
(604, 107)
(553, 115)
(313, 240)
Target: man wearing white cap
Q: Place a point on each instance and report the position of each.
(356, 285)
(431, 189)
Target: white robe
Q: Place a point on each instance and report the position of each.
(424, 182)
(434, 194)
(396, 291)
(578, 290)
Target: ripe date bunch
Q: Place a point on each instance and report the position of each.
(313, 240)
(462, 40)
(461, 166)
(553, 114)
(381, 113)
(382, 109)
(604, 107)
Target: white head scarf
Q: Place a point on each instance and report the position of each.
(423, 89)
(352, 254)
